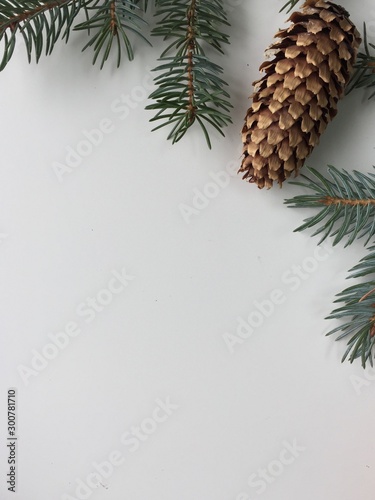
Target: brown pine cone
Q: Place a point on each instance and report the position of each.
(297, 97)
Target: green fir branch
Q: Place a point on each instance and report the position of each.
(39, 22)
(358, 312)
(364, 68)
(112, 21)
(190, 88)
(346, 204)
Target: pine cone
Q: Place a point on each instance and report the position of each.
(298, 95)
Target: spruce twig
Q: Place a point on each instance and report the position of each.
(39, 22)
(190, 88)
(112, 21)
(346, 203)
(357, 311)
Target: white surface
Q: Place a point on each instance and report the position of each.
(162, 336)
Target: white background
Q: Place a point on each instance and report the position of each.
(162, 337)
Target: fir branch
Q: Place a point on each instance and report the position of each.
(35, 20)
(364, 68)
(347, 210)
(289, 5)
(190, 87)
(112, 21)
(358, 310)
(346, 203)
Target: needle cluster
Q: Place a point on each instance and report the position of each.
(40, 23)
(189, 87)
(111, 22)
(345, 203)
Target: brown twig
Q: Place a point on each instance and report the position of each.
(329, 200)
(190, 63)
(367, 295)
(113, 18)
(13, 22)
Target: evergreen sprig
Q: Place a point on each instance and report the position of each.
(364, 68)
(358, 312)
(112, 20)
(346, 202)
(39, 22)
(190, 88)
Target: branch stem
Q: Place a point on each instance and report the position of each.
(13, 22)
(191, 14)
(367, 295)
(329, 200)
(113, 17)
